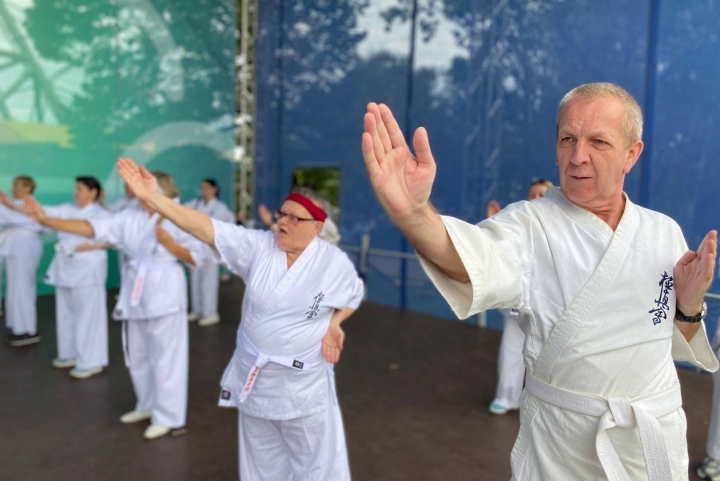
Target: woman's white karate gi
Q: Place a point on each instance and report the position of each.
(79, 272)
(205, 280)
(20, 250)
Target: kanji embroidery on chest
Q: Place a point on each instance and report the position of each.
(661, 309)
(315, 308)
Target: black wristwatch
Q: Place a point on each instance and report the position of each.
(679, 316)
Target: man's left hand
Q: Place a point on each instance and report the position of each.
(694, 274)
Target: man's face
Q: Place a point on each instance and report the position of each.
(593, 152)
(296, 237)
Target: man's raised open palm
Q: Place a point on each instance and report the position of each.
(401, 181)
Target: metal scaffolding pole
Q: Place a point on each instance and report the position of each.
(245, 120)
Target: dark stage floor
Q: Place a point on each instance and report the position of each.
(413, 390)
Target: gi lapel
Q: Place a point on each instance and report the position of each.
(570, 322)
(581, 307)
(290, 276)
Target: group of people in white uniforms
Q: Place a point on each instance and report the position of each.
(205, 279)
(511, 367)
(299, 289)
(79, 273)
(152, 303)
(20, 251)
(608, 292)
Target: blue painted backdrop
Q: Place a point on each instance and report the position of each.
(484, 77)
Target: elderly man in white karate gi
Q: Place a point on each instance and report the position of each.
(299, 289)
(205, 280)
(21, 250)
(608, 292)
(152, 303)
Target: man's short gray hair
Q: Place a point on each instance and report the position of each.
(633, 122)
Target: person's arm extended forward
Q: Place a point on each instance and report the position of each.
(144, 185)
(403, 183)
(73, 226)
(426, 232)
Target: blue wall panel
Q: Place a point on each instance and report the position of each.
(485, 80)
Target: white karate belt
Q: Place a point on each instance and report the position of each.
(65, 249)
(620, 412)
(304, 362)
(141, 268)
(7, 231)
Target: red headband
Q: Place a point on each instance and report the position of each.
(315, 211)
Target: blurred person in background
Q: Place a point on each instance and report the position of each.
(205, 280)
(21, 250)
(511, 367)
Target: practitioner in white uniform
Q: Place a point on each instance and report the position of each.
(153, 300)
(79, 273)
(511, 368)
(205, 280)
(299, 289)
(608, 293)
(21, 250)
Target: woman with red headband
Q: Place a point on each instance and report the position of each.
(299, 289)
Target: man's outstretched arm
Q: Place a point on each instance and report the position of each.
(403, 184)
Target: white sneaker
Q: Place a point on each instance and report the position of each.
(85, 373)
(209, 320)
(154, 431)
(498, 409)
(134, 417)
(62, 363)
(194, 316)
(710, 469)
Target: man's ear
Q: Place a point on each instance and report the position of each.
(633, 155)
